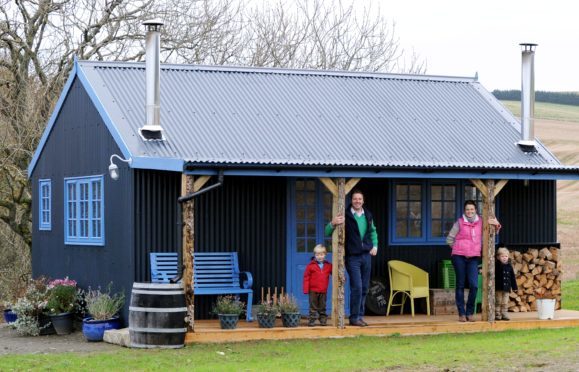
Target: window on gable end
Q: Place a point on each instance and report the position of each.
(44, 205)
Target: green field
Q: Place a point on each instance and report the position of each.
(548, 111)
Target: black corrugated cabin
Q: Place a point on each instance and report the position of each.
(415, 142)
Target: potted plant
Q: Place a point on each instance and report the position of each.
(290, 311)
(103, 309)
(9, 315)
(30, 310)
(228, 309)
(61, 303)
(13, 290)
(266, 314)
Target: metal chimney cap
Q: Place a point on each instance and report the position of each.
(528, 46)
(152, 133)
(153, 23)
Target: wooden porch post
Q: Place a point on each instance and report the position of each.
(188, 186)
(339, 192)
(488, 190)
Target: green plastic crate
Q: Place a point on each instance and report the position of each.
(447, 276)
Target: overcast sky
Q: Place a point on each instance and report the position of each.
(459, 38)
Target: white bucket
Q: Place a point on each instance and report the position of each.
(546, 308)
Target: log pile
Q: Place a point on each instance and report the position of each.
(538, 273)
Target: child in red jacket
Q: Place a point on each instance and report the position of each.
(316, 281)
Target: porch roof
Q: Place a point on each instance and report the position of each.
(268, 119)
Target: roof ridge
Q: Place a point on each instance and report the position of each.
(284, 71)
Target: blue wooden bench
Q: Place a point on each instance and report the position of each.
(215, 273)
(164, 266)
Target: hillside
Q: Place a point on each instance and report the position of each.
(557, 126)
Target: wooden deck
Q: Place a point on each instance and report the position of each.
(208, 331)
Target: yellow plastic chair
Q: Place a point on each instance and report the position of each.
(409, 280)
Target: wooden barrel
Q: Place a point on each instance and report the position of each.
(157, 315)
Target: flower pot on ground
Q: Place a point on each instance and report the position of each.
(30, 307)
(62, 295)
(10, 316)
(228, 309)
(103, 308)
(266, 314)
(94, 330)
(62, 323)
(290, 311)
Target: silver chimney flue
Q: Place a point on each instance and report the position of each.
(152, 129)
(527, 142)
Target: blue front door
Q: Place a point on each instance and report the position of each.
(309, 209)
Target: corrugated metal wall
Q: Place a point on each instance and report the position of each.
(528, 213)
(80, 145)
(247, 215)
(157, 217)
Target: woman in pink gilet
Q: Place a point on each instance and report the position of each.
(465, 238)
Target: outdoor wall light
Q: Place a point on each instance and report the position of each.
(114, 169)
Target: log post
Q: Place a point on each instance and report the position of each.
(188, 186)
(188, 216)
(338, 240)
(338, 249)
(489, 190)
(488, 254)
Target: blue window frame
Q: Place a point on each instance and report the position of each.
(408, 206)
(44, 205)
(443, 209)
(423, 211)
(313, 208)
(84, 211)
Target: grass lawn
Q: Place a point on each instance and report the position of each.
(570, 292)
(451, 351)
(548, 111)
(516, 350)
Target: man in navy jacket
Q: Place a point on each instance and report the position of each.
(361, 244)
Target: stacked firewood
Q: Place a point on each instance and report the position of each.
(538, 273)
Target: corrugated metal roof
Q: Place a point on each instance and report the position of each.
(251, 116)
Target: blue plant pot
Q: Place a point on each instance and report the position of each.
(10, 316)
(94, 330)
(291, 320)
(266, 321)
(228, 321)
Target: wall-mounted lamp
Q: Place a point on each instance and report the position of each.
(114, 169)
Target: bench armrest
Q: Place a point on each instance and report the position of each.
(246, 279)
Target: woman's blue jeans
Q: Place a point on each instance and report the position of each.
(466, 271)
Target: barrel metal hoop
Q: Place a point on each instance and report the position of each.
(158, 309)
(143, 346)
(157, 330)
(162, 293)
(158, 285)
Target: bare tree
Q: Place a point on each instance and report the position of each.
(39, 38)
